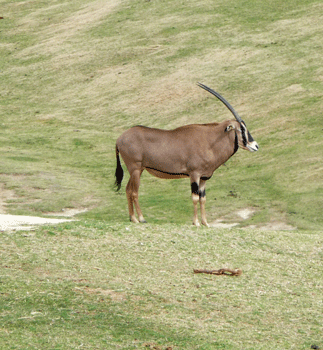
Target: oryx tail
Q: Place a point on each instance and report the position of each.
(119, 171)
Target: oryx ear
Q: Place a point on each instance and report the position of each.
(230, 127)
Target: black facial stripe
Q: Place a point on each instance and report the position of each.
(243, 134)
(236, 144)
(195, 188)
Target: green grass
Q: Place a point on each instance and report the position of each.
(74, 76)
(98, 285)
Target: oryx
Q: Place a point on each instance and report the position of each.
(193, 151)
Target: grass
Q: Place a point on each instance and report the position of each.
(98, 285)
(74, 76)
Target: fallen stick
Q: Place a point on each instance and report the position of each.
(228, 272)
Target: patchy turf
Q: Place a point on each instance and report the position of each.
(98, 285)
(74, 76)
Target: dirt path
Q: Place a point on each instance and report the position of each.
(20, 222)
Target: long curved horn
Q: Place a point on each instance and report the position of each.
(222, 99)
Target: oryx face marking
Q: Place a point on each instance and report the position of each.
(246, 141)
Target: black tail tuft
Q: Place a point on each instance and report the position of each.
(119, 171)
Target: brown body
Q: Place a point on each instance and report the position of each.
(193, 151)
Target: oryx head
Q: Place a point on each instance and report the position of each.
(245, 139)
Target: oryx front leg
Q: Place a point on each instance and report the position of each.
(132, 191)
(195, 199)
(202, 199)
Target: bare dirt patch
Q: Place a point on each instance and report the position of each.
(240, 215)
(247, 213)
(274, 226)
(68, 212)
(20, 222)
(114, 295)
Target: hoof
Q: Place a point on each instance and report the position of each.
(134, 220)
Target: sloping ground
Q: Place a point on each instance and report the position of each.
(23, 222)
(19, 222)
(76, 74)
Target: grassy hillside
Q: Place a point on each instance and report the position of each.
(75, 75)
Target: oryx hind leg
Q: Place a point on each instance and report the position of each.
(195, 199)
(132, 191)
(202, 200)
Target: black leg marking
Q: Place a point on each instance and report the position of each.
(195, 188)
(202, 194)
